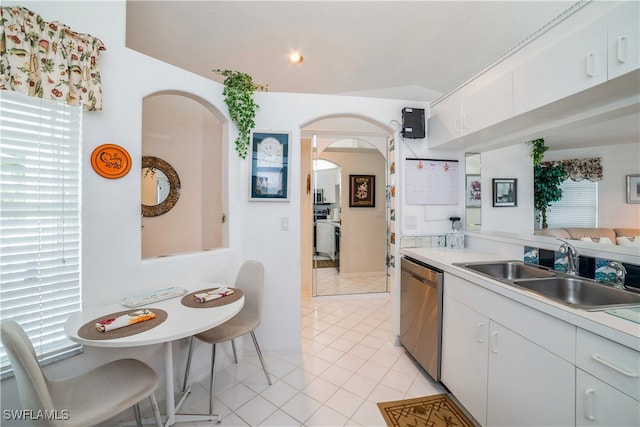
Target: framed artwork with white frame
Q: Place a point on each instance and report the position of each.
(269, 166)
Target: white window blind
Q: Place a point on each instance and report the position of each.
(578, 206)
(39, 220)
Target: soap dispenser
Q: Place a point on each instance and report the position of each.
(455, 239)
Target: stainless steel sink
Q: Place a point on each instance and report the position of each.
(509, 270)
(575, 292)
(580, 293)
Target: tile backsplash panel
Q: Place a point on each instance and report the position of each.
(592, 268)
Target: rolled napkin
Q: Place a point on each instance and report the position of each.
(214, 294)
(125, 320)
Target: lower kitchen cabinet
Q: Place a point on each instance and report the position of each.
(599, 404)
(325, 238)
(465, 356)
(527, 385)
(608, 382)
(506, 375)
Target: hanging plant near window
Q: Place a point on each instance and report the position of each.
(238, 95)
(546, 180)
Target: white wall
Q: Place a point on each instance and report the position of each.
(111, 244)
(510, 162)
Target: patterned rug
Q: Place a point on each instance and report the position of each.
(430, 411)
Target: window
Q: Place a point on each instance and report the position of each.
(578, 206)
(39, 220)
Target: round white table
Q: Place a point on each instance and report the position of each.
(181, 322)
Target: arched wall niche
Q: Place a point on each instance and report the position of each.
(187, 132)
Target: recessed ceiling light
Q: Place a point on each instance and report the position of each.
(295, 58)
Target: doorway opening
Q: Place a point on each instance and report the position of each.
(347, 243)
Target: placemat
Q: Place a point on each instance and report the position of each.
(88, 330)
(190, 301)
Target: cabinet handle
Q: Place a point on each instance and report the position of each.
(456, 125)
(622, 49)
(606, 363)
(494, 342)
(589, 404)
(480, 332)
(590, 64)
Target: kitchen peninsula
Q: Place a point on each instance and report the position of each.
(511, 357)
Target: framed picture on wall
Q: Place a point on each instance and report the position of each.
(362, 191)
(473, 191)
(505, 192)
(269, 166)
(633, 188)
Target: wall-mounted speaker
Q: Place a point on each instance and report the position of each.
(413, 125)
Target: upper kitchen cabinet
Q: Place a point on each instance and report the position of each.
(476, 107)
(624, 39)
(573, 64)
(581, 68)
(445, 123)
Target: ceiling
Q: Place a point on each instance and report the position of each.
(413, 50)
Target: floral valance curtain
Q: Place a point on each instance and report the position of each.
(48, 60)
(580, 169)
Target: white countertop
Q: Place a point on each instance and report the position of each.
(607, 325)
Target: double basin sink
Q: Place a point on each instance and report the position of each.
(573, 291)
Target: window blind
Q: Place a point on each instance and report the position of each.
(578, 206)
(40, 171)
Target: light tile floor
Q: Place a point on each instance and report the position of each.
(329, 282)
(347, 363)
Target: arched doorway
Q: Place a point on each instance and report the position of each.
(356, 258)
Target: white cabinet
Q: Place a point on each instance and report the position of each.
(575, 63)
(445, 122)
(491, 103)
(608, 382)
(325, 238)
(481, 105)
(624, 39)
(465, 356)
(527, 385)
(327, 180)
(518, 374)
(599, 404)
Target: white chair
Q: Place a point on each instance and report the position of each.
(250, 280)
(85, 399)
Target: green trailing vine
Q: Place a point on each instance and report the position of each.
(546, 180)
(238, 95)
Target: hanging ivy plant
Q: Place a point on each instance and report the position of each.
(546, 180)
(238, 95)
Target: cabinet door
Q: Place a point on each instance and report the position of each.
(624, 39)
(599, 404)
(491, 104)
(575, 63)
(527, 385)
(465, 356)
(325, 239)
(445, 123)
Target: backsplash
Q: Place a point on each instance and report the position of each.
(592, 268)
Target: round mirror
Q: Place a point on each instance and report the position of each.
(160, 186)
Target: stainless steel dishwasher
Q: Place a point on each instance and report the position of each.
(421, 313)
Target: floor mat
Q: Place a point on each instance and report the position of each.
(325, 263)
(432, 411)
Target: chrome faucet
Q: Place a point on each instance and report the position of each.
(572, 257)
(621, 274)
